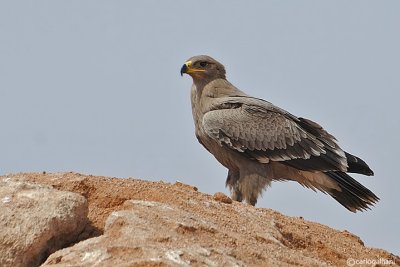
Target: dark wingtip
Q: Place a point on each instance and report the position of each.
(357, 165)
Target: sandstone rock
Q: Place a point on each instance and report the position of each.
(149, 233)
(143, 223)
(221, 197)
(36, 220)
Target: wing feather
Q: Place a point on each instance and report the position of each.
(264, 132)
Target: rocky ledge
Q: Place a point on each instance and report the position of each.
(70, 219)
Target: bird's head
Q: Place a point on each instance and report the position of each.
(203, 68)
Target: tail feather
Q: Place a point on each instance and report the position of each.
(353, 195)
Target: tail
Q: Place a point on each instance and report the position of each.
(352, 195)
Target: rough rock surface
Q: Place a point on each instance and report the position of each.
(36, 220)
(142, 223)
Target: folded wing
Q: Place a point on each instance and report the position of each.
(264, 132)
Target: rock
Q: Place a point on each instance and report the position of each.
(186, 186)
(221, 197)
(36, 220)
(150, 233)
(143, 223)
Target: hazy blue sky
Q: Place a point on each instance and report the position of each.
(94, 87)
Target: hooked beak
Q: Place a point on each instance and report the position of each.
(184, 69)
(189, 69)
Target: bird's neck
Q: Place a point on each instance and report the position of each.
(216, 88)
(200, 84)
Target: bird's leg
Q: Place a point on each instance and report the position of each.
(232, 182)
(252, 184)
(236, 195)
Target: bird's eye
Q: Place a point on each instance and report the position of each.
(203, 64)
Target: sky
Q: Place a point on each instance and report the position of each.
(94, 87)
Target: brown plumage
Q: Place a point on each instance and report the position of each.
(259, 142)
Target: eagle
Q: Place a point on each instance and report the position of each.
(259, 142)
